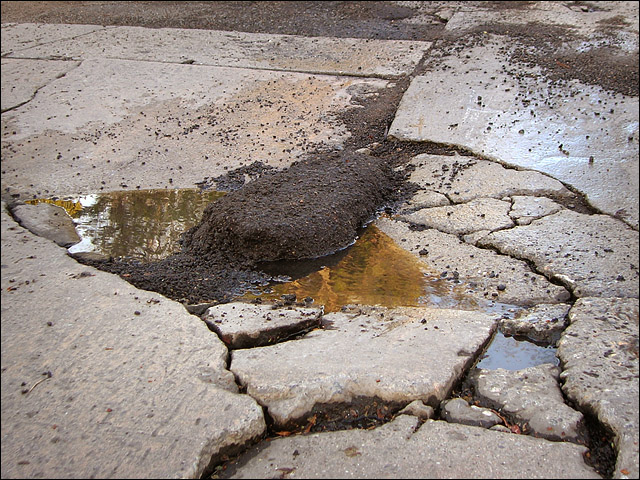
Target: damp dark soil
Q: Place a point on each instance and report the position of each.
(378, 20)
(309, 210)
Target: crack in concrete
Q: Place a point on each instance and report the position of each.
(37, 89)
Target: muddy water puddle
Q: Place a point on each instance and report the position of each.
(372, 271)
(144, 224)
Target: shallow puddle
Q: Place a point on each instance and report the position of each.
(144, 224)
(510, 353)
(373, 271)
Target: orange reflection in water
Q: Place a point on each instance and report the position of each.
(374, 271)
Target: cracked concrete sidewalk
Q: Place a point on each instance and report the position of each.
(101, 379)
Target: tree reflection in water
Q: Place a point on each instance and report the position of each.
(374, 271)
(144, 224)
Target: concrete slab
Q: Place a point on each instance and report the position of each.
(117, 124)
(21, 79)
(580, 19)
(244, 325)
(530, 396)
(385, 356)
(48, 221)
(417, 408)
(525, 209)
(319, 55)
(582, 135)
(21, 36)
(100, 379)
(479, 276)
(437, 449)
(542, 323)
(425, 199)
(457, 410)
(477, 215)
(464, 178)
(592, 255)
(599, 353)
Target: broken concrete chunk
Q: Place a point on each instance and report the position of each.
(417, 408)
(596, 256)
(426, 199)
(473, 238)
(244, 325)
(135, 385)
(468, 100)
(473, 283)
(542, 323)
(525, 208)
(479, 214)
(396, 450)
(463, 179)
(600, 348)
(457, 410)
(530, 396)
(387, 358)
(48, 221)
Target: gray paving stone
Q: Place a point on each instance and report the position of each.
(100, 379)
(48, 221)
(388, 355)
(593, 255)
(599, 353)
(320, 55)
(476, 215)
(457, 410)
(463, 178)
(244, 325)
(542, 323)
(564, 130)
(417, 408)
(482, 275)
(530, 396)
(436, 450)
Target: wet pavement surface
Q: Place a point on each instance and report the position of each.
(471, 167)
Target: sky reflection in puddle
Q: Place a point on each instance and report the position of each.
(510, 353)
